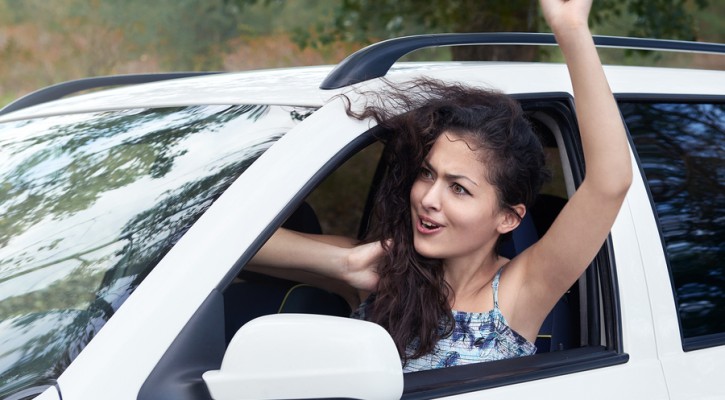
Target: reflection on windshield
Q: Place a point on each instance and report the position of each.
(91, 202)
(680, 147)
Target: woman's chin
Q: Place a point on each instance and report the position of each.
(426, 250)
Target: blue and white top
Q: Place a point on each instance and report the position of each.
(476, 337)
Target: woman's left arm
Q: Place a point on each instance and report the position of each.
(562, 255)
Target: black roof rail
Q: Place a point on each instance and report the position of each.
(60, 90)
(375, 60)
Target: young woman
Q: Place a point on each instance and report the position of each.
(467, 166)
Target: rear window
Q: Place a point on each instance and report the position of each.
(91, 202)
(682, 153)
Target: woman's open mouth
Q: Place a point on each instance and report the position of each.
(427, 226)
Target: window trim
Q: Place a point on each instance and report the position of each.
(475, 377)
(601, 277)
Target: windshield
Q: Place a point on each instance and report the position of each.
(91, 202)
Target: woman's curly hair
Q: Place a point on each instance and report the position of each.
(412, 300)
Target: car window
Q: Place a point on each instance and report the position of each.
(340, 200)
(680, 148)
(91, 202)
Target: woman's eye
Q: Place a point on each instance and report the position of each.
(458, 189)
(425, 173)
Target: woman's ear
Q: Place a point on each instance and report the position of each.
(511, 218)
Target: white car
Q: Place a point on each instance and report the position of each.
(127, 216)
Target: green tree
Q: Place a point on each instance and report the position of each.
(186, 34)
(370, 20)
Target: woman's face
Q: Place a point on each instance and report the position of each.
(454, 210)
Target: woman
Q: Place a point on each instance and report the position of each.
(469, 166)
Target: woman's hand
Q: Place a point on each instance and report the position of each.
(564, 15)
(361, 266)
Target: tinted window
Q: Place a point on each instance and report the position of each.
(91, 202)
(682, 151)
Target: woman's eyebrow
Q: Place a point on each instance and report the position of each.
(447, 176)
(452, 177)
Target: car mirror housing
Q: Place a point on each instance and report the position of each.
(297, 356)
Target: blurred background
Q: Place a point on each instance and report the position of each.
(46, 42)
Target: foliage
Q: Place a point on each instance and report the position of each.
(664, 19)
(368, 20)
(194, 31)
(44, 42)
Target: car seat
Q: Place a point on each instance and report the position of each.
(556, 330)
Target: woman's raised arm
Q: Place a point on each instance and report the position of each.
(562, 255)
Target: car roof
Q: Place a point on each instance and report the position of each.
(313, 86)
(295, 85)
(299, 86)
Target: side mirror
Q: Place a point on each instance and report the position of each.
(300, 356)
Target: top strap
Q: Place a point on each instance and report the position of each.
(494, 285)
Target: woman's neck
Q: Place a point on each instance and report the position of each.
(469, 278)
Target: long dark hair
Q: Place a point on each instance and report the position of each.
(412, 298)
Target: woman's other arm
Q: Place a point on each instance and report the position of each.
(335, 263)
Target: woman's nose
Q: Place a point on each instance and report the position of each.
(432, 197)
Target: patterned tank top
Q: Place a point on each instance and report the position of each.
(476, 337)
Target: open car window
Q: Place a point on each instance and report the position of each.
(576, 335)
